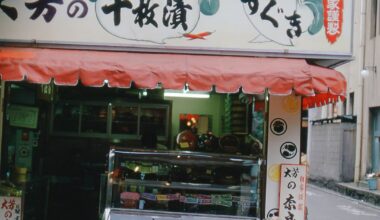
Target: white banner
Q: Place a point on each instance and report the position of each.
(10, 208)
(297, 28)
(293, 192)
(284, 137)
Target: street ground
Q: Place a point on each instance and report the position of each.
(324, 204)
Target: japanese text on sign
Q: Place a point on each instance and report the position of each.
(333, 19)
(273, 25)
(10, 208)
(293, 192)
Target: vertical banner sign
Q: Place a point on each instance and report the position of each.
(293, 192)
(10, 208)
(283, 145)
(333, 19)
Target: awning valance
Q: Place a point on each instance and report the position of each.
(227, 74)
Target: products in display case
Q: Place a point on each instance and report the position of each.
(183, 182)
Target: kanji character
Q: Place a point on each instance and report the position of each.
(116, 8)
(176, 13)
(40, 6)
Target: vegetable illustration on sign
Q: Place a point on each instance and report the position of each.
(290, 26)
(286, 21)
(209, 7)
(282, 22)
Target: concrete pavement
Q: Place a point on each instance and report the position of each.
(324, 204)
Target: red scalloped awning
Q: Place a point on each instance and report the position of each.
(227, 74)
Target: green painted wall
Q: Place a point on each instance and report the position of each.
(213, 106)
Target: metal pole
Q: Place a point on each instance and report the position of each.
(2, 89)
(360, 104)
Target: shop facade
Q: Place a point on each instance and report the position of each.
(76, 94)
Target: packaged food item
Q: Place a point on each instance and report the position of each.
(129, 199)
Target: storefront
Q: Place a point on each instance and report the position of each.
(107, 89)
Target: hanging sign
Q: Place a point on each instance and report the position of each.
(293, 192)
(23, 116)
(297, 28)
(284, 132)
(10, 208)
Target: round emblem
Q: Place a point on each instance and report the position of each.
(273, 213)
(278, 126)
(288, 150)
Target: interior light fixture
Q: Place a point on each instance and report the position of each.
(186, 88)
(189, 94)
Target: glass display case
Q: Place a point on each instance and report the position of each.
(181, 185)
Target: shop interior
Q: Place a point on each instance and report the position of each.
(56, 139)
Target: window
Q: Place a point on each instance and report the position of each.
(374, 17)
(351, 103)
(122, 120)
(153, 119)
(344, 107)
(66, 117)
(375, 138)
(125, 119)
(94, 119)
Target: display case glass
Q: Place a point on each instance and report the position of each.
(183, 182)
(153, 120)
(124, 119)
(66, 117)
(94, 119)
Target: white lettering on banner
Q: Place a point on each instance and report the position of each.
(332, 4)
(333, 20)
(192, 25)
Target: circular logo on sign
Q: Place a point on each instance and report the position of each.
(288, 150)
(273, 213)
(278, 126)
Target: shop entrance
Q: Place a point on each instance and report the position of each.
(77, 124)
(71, 130)
(375, 139)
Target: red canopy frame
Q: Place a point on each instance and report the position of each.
(227, 74)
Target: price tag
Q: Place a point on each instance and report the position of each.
(183, 145)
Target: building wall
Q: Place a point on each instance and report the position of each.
(371, 96)
(363, 93)
(353, 105)
(332, 153)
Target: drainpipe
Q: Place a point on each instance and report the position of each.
(2, 85)
(360, 101)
